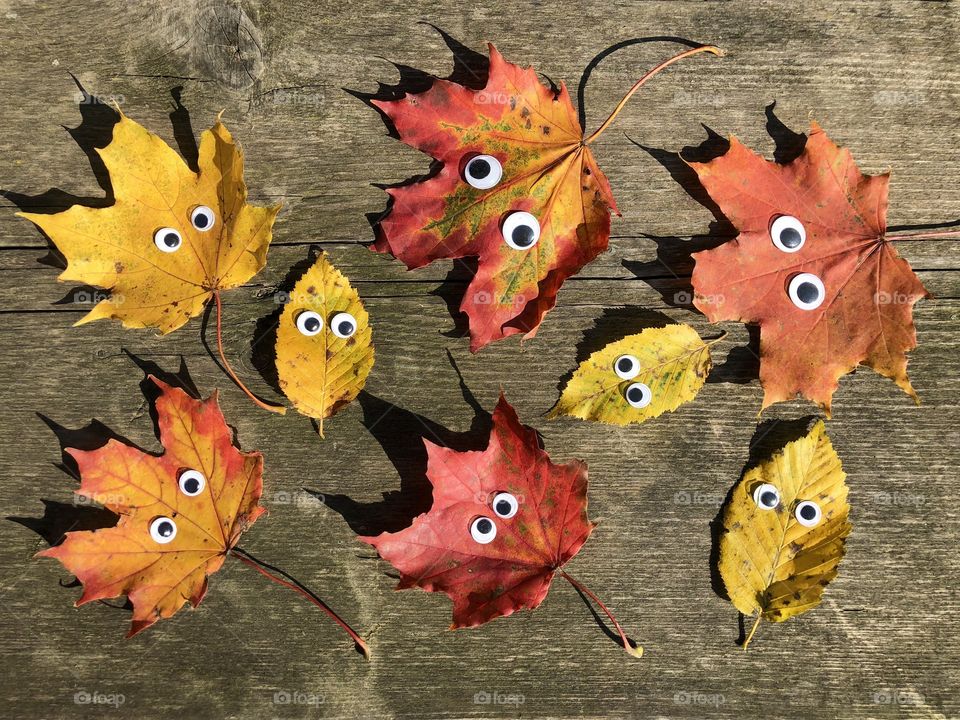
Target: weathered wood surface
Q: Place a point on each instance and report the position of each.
(882, 79)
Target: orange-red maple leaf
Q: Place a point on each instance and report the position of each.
(519, 189)
(811, 266)
(180, 512)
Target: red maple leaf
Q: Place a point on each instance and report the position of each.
(813, 266)
(504, 521)
(518, 188)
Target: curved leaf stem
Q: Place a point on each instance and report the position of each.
(616, 111)
(244, 558)
(628, 645)
(280, 409)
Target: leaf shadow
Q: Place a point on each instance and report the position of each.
(769, 438)
(599, 57)
(401, 434)
(94, 131)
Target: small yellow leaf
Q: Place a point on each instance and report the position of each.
(173, 236)
(637, 378)
(323, 348)
(784, 530)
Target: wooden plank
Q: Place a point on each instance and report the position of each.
(879, 76)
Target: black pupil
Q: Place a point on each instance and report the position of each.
(484, 526)
(171, 240)
(191, 485)
(523, 235)
(165, 529)
(201, 220)
(790, 237)
(311, 324)
(346, 327)
(624, 365)
(635, 394)
(504, 507)
(769, 499)
(479, 168)
(807, 512)
(807, 292)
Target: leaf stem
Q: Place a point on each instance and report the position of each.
(756, 624)
(280, 409)
(616, 111)
(924, 235)
(247, 559)
(628, 644)
(712, 341)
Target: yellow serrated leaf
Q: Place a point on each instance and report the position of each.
(323, 347)
(160, 260)
(776, 562)
(637, 378)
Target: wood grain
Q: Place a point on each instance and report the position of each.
(881, 77)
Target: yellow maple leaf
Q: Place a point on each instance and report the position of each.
(172, 239)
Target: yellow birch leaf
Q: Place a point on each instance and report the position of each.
(785, 530)
(173, 237)
(324, 353)
(638, 378)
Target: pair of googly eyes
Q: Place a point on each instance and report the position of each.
(483, 529)
(520, 229)
(343, 324)
(805, 290)
(169, 239)
(807, 512)
(163, 529)
(637, 394)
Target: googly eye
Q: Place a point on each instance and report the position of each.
(192, 482)
(483, 530)
(309, 323)
(766, 496)
(483, 172)
(343, 325)
(638, 395)
(787, 233)
(167, 239)
(505, 505)
(806, 291)
(808, 513)
(163, 530)
(626, 367)
(202, 218)
(521, 230)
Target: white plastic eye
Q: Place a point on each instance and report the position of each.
(309, 323)
(163, 530)
(787, 233)
(167, 239)
(808, 513)
(806, 291)
(343, 325)
(766, 496)
(483, 530)
(192, 482)
(521, 230)
(626, 367)
(483, 172)
(202, 218)
(638, 395)
(505, 505)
